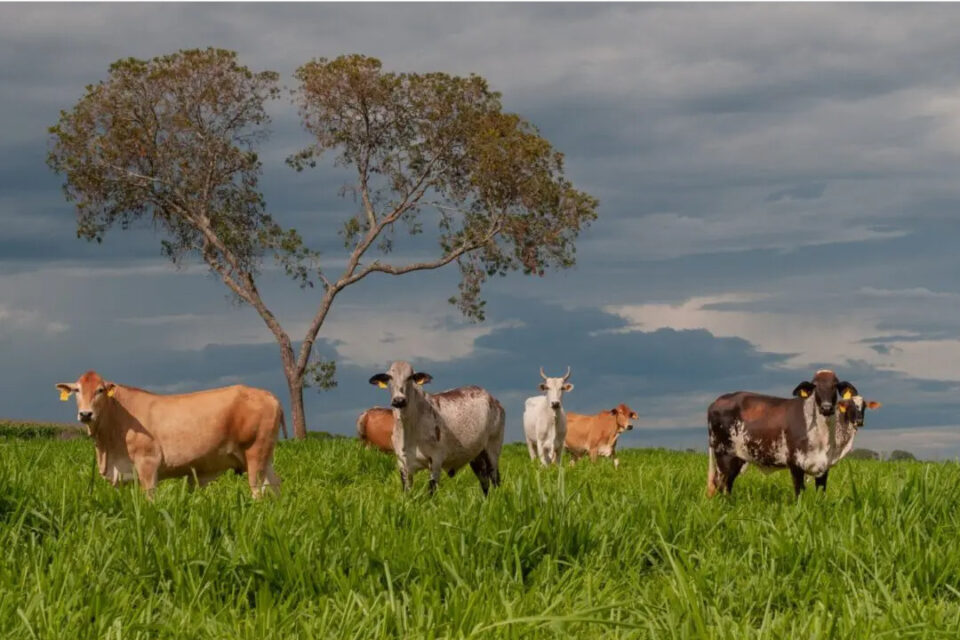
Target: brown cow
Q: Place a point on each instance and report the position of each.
(199, 435)
(375, 428)
(597, 435)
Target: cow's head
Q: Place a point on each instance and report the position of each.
(92, 393)
(825, 389)
(624, 415)
(401, 380)
(852, 409)
(555, 388)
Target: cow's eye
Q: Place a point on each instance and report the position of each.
(100, 390)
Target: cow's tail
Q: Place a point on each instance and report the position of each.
(711, 473)
(283, 425)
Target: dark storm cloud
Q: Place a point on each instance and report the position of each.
(803, 154)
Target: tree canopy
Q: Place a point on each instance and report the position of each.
(175, 139)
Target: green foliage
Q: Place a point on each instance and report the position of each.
(321, 374)
(32, 430)
(588, 551)
(174, 140)
(898, 454)
(441, 142)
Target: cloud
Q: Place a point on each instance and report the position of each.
(14, 321)
(777, 193)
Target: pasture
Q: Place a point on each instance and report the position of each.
(588, 551)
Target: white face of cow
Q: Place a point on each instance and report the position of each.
(92, 393)
(554, 388)
(854, 408)
(401, 380)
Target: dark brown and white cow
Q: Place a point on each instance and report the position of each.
(799, 433)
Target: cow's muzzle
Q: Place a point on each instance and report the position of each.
(554, 405)
(398, 403)
(85, 416)
(826, 408)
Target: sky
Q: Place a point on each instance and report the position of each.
(778, 193)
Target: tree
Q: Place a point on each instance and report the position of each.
(174, 140)
(898, 455)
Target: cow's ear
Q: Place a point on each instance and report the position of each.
(633, 415)
(542, 386)
(110, 388)
(380, 380)
(422, 378)
(804, 389)
(847, 390)
(66, 388)
(613, 411)
(873, 404)
(568, 387)
(842, 407)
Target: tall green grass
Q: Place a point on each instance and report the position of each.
(589, 551)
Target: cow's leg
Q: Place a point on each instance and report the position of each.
(798, 480)
(732, 465)
(532, 448)
(483, 469)
(546, 454)
(436, 468)
(406, 475)
(147, 468)
(594, 454)
(821, 481)
(271, 480)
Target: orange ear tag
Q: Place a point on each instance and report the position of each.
(64, 396)
(381, 384)
(112, 391)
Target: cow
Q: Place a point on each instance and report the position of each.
(545, 422)
(150, 437)
(597, 435)
(442, 431)
(375, 428)
(798, 433)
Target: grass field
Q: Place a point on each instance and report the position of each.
(587, 552)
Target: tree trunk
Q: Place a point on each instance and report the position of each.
(295, 383)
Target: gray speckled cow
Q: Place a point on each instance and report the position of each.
(442, 431)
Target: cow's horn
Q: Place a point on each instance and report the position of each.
(568, 374)
(542, 374)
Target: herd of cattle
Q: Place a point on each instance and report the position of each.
(148, 437)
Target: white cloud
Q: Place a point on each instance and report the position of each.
(820, 334)
(26, 321)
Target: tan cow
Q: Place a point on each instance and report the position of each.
(199, 435)
(375, 428)
(597, 435)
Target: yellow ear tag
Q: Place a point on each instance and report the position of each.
(843, 408)
(420, 382)
(64, 396)
(804, 393)
(847, 394)
(112, 391)
(381, 384)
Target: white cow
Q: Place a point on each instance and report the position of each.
(544, 421)
(442, 431)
